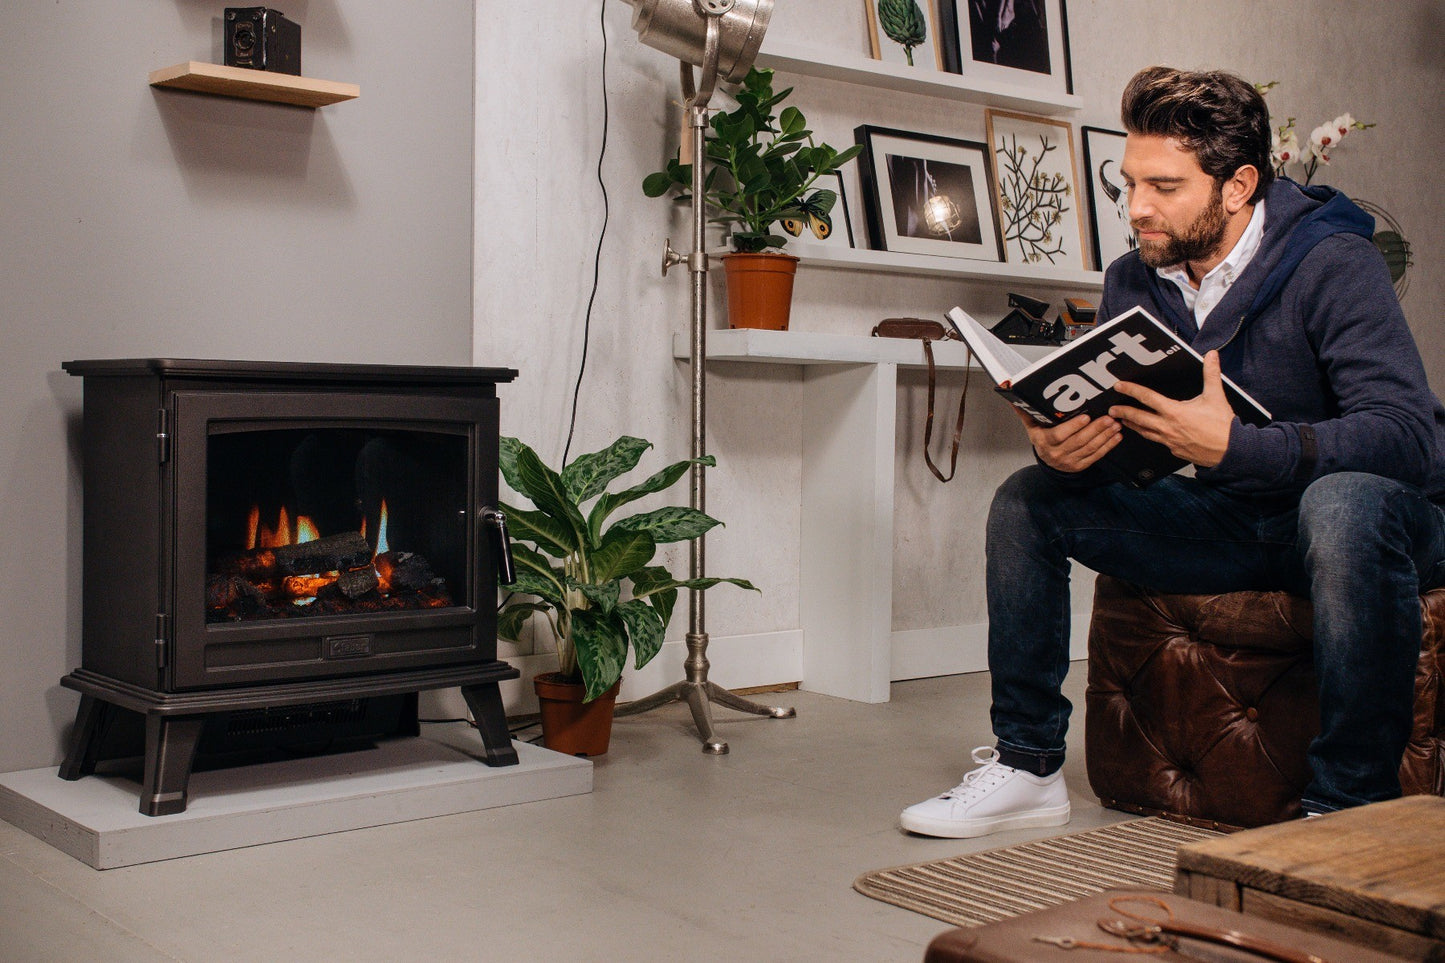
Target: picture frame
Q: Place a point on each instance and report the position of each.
(842, 235)
(1108, 198)
(1031, 51)
(926, 55)
(928, 194)
(1038, 189)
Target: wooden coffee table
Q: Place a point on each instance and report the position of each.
(1374, 875)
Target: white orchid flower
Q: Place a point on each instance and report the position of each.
(1285, 146)
(1322, 140)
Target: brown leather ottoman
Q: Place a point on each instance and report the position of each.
(1203, 706)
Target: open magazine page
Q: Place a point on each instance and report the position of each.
(1080, 378)
(1000, 361)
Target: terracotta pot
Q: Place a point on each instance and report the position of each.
(760, 289)
(570, 725)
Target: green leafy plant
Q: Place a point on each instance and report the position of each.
(576, 567)
(762, 169)
(903, 22)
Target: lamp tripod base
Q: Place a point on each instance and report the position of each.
(700, 694)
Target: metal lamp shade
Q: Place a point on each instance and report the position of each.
(678, 28)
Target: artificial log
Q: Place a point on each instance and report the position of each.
(358, 581)
(258, 563)
(305, 586)
(329, 553)
(404, 571)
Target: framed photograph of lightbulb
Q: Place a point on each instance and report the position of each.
(927, 194)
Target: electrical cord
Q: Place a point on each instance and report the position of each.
(597, 257)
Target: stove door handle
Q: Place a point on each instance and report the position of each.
(497, 520)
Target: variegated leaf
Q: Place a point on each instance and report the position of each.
(674, 523)
(589, 475)
(601, 647)
(644, 629)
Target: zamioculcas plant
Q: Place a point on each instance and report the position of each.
(764, 169)
(577, 568)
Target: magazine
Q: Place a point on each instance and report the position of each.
(1079, 378)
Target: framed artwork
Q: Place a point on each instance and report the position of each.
(926, 194)
(904, 32)
(1038, 192)
(1020, 42)
(1108, 199)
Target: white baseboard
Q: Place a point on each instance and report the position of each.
(734, 662)
(765, 658)
(953, 649)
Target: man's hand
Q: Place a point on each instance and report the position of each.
(1075, 444)
(1196, 430)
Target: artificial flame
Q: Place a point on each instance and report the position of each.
(381, 544)
(262, 536)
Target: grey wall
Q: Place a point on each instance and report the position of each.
(129, 214)
(536, 178)
(140, 222)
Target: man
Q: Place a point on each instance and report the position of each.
(1339, 499)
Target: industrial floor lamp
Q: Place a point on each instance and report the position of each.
(721, 36)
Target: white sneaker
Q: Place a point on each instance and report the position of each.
(992, 798)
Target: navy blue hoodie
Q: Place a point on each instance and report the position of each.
(1313, 330)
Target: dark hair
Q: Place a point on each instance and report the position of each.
(1218, 117)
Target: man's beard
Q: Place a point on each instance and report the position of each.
(1197, 242)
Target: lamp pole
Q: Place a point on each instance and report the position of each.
(695, 689)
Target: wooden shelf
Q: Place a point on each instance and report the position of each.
(253, 84)
(929, 265)
(857, 69)
(813, 347)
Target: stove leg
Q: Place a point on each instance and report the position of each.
(170, 751)
(485, 701)
(92, 718)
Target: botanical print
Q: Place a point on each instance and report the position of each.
(902, 32)
(1033, 161)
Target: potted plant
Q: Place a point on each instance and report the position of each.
(763, 170)
(574, 568)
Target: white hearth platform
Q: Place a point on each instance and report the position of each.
(97, 820)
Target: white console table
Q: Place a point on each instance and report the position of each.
(848, 409)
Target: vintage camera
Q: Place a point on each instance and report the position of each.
(262, 39)
(1025, 324)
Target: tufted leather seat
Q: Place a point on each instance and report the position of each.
(1203, 706)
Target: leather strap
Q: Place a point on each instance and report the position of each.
(958, 422)
(1153, 931)
(928, 332)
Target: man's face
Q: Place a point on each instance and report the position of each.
(1176, 210)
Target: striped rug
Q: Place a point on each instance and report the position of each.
(1000, 883)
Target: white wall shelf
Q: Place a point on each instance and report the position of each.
(848, 406)
(815, 255)
(857, 69)
(817, 348)
(848, 413)
(253, 84)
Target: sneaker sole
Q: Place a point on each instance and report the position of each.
(961, 829)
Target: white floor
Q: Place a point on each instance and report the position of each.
(673, 855)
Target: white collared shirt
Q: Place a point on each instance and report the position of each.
(1214, 285)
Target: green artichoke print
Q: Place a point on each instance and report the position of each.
(903, 22)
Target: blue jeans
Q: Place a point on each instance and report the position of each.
(1361, 547)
